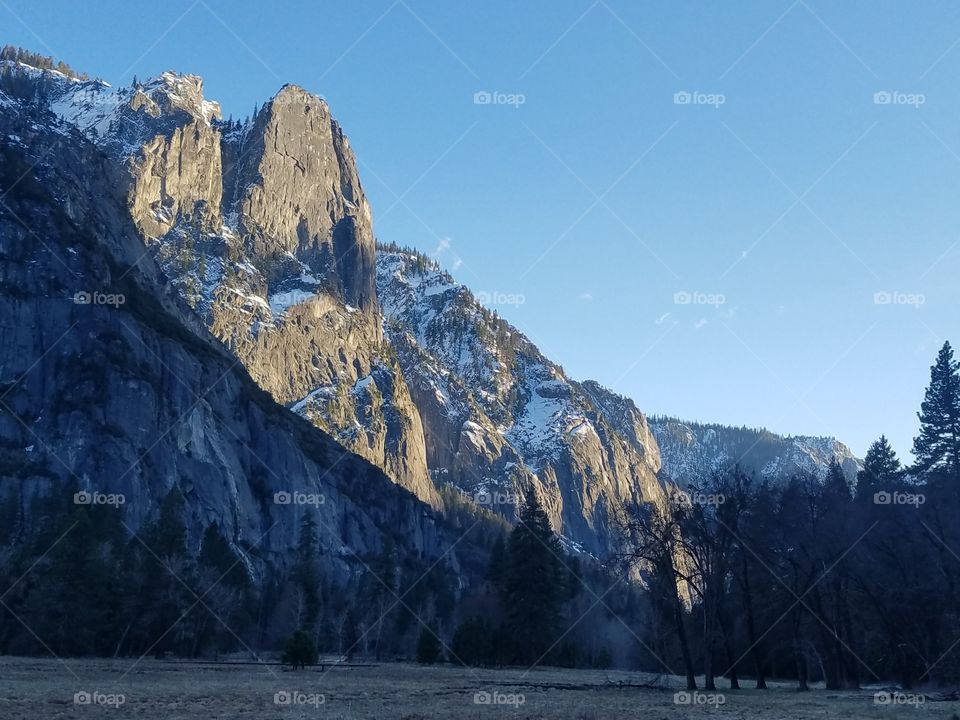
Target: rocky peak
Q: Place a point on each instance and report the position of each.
(285, 182)
(293, 188)
(624, 415)
(170, 92)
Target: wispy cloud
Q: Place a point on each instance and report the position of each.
(444, 244)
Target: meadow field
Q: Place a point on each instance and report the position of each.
(45, 689)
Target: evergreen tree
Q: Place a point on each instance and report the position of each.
(306, 574)
(473, 642)
(428, 647)
(349, 636)
(835, 483)
(937, 447)
(380, 591)
(497, 563)
(166, 570)
(167, 537)
(300, 650)
(881, 470)
(217, 555)
(227, 604)
(534, 582)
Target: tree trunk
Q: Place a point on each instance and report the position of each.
(798, 655)
(684, 644)
(731, 660)
(801, 671)
(752, 628)
(708, 679)
(851, 660)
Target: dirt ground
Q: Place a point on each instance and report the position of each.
(41, 689)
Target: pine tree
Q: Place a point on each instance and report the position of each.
(835, 484)
(217, 555)
(299, 650)
(349, 636)
(428, 647)
(534, 581)
(497, 563)
(937, 447)
(167, 537)
(881, 470)
(166, 570)
(306, 573)
(380, 591)
(473, 642)
(228, 597)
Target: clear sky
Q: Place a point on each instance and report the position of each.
(782, 197)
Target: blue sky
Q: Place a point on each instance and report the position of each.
(780, 200)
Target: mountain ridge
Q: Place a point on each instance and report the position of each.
(264, 230)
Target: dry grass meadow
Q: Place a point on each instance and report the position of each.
(41, 689)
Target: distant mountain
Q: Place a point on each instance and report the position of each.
(690, 452)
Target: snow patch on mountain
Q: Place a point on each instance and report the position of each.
(527, 396)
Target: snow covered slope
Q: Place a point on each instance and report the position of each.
(498, 415)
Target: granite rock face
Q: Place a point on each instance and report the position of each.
(265, 229)
(293, 189)
(112, 383)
